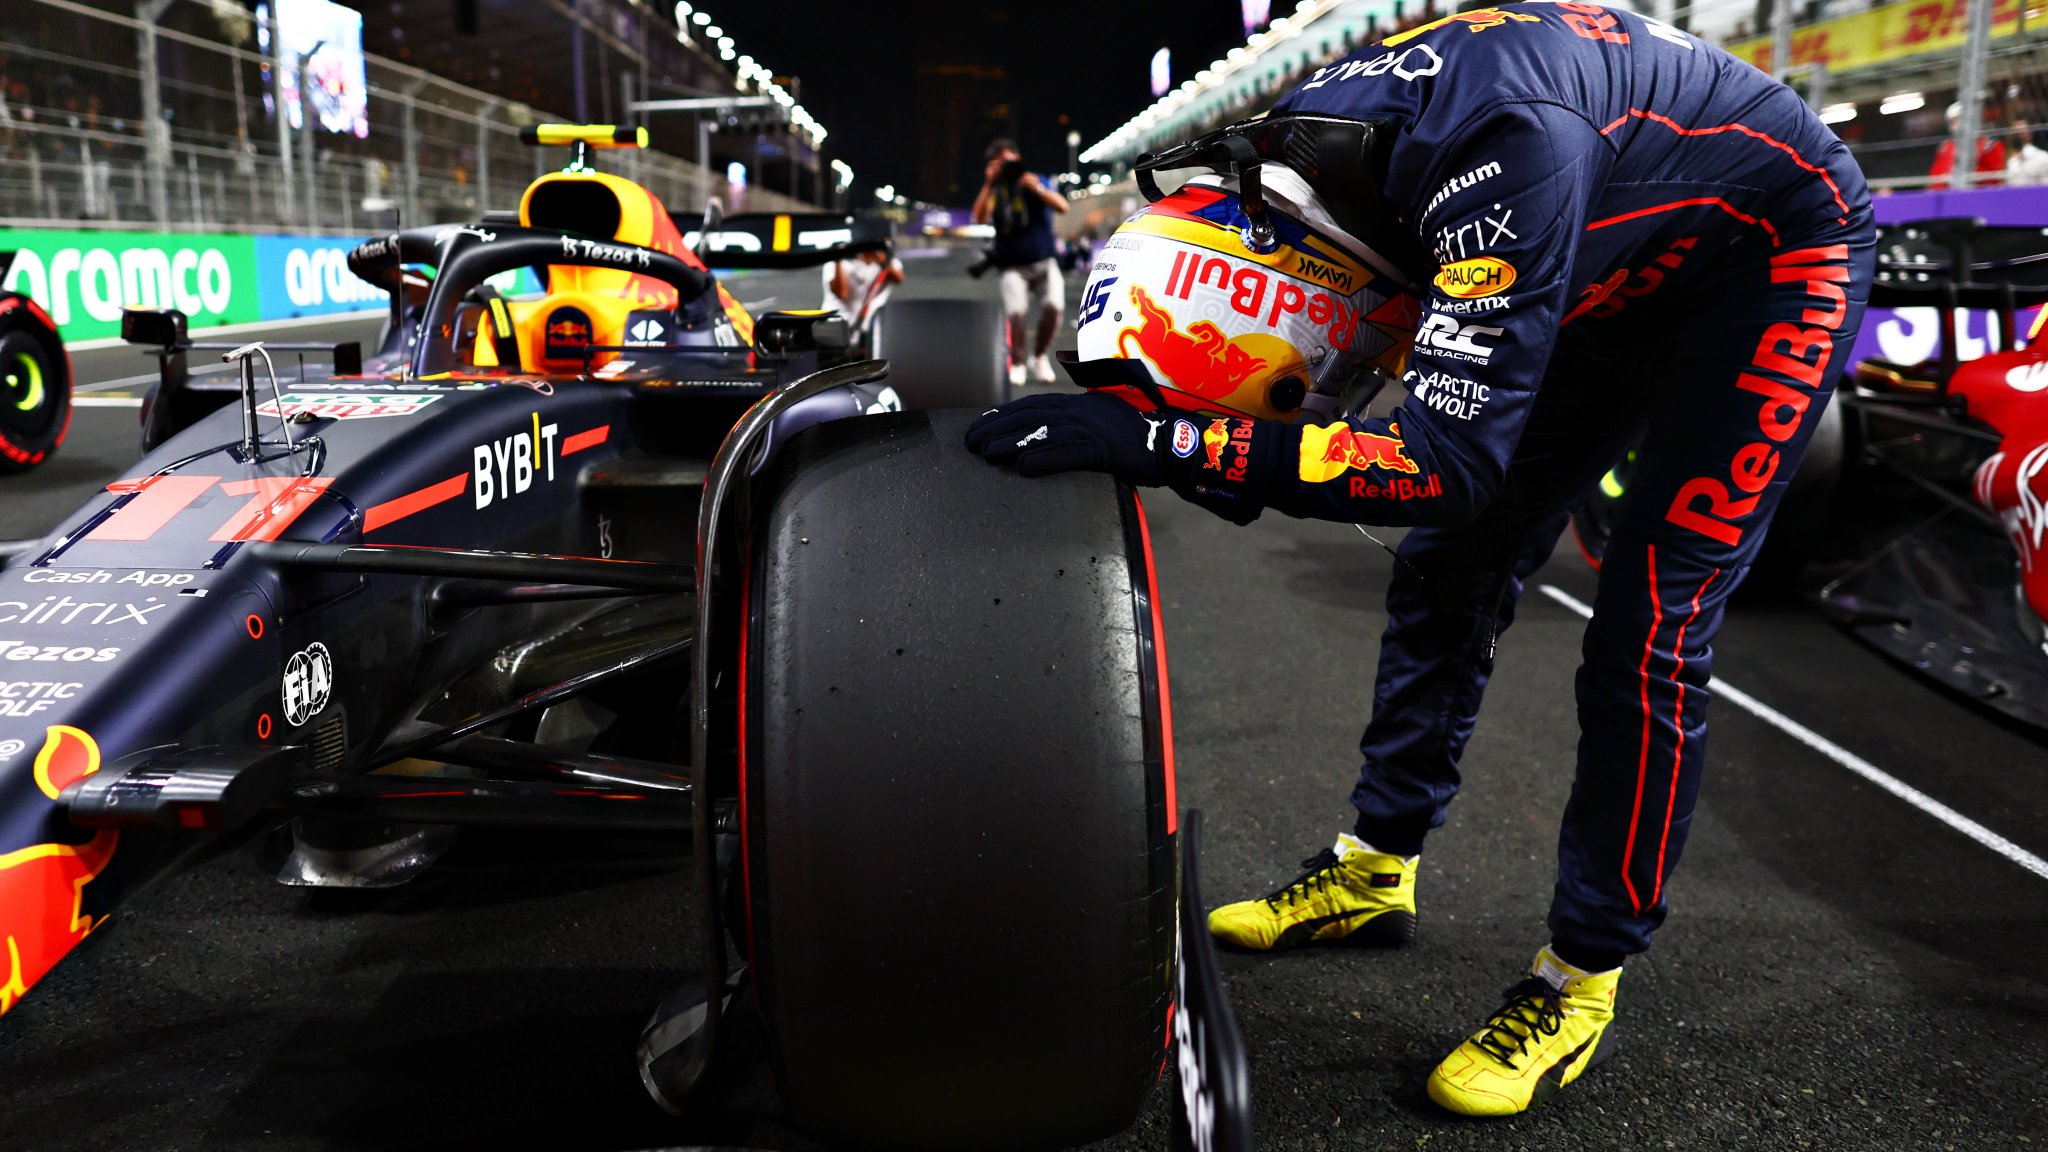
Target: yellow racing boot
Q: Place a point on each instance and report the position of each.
(1349, 895)
(1550, 1030)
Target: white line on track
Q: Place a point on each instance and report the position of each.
(150, 378)
(1849, 760)
(106, 401)
(98, 343)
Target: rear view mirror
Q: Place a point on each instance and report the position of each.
(153, 327)
(794, 332)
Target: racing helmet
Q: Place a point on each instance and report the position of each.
(1240, 294)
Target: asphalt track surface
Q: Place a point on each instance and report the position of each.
(1840, 971)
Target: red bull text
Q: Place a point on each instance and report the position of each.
(1261, 295)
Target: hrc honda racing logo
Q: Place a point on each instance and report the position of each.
(1444, 336)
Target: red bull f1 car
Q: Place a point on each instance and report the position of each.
(35, 381)
(1921, 508)
(624, 557)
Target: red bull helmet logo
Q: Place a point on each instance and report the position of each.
(1201, 361)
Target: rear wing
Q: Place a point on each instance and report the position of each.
(783, 239)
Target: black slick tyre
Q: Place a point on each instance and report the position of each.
(960, 858)
(35, 391)
(944, 353)
(1808, 514)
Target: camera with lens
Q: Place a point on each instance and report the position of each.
(982, 265)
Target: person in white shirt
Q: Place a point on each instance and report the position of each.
(858, 287)
(2027, 165)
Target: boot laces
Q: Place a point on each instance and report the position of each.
(1531, 1008)
(1315, 877)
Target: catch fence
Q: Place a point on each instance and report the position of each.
(81, 87)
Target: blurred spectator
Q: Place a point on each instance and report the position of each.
(1990, 166)
(857, 288)
(2027, 164)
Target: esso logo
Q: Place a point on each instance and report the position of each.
(2028, 377)
(1184, 439)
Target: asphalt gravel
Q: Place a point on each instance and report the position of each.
(1839, 971)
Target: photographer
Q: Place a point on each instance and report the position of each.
(1021, 207)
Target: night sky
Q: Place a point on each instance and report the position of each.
(1082, 59)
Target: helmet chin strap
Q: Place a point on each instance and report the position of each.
(1341, 160)
(1259, 235)
(1243, 159)
(1235, 155)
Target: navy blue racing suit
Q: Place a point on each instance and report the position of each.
(1630, 230)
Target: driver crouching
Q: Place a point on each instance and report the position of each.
(1563, 228)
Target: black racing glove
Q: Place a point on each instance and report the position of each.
(1040, 435)
(1221, 464)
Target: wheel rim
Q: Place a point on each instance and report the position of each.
(1601, 510)
(22, 379)
(33, 394)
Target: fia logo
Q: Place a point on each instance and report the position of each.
(308, 680)
(1097, 302)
